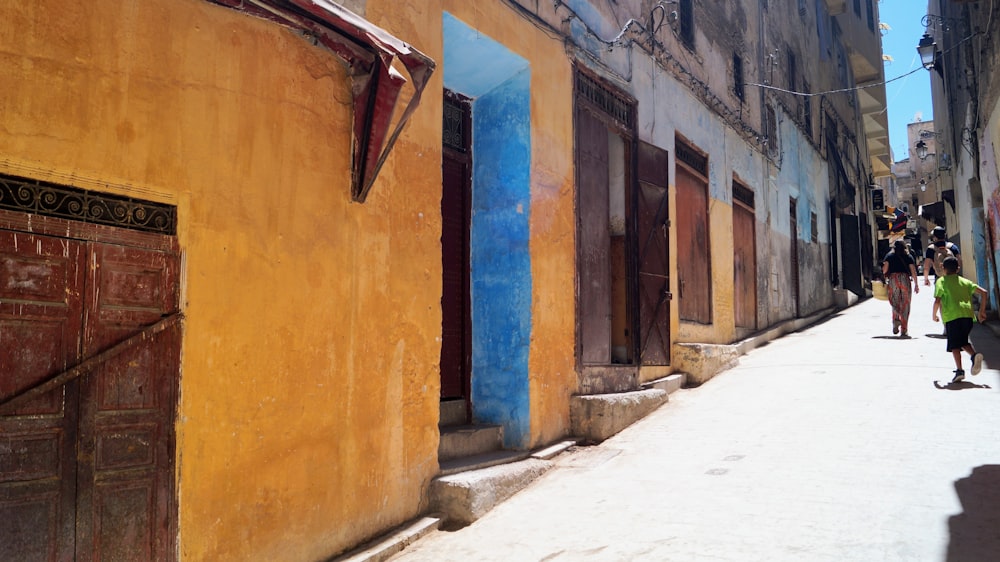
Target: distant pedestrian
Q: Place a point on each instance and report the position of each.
(936, 252)
(899, 272)
(953, 299)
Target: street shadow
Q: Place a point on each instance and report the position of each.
(907, 337)
(958, 385)
(974, 534)
(937, 336)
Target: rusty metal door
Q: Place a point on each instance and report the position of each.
(652, 217)
(595, 262)
(694, 256)
(92, 478)
(456, 205)
(744, 258)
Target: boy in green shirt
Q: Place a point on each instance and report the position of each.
(953, 299)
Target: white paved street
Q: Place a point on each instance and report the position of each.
(840, 442)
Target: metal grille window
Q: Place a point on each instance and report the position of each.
(738, 77)
(613, 104)
(743, 194)
(687, 22)
(455, 121)
(52, 200)
(814, 225)
(695, 160)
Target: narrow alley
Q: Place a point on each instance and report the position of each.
(840, 442)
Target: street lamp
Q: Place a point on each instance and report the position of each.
(921, 147)
(927, 48)
(923, 185)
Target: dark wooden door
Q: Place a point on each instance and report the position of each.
(744, 265)
(794, 251)
(652, 217)
(455, 276)
(125, 452)
(456, 208)
(41, 306)
(693, 261)
(89, 475)
(594, 245)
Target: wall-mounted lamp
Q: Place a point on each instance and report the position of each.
(921, 147)
(927, 49)
(923, 185)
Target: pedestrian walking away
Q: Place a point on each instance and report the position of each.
(953, 300)
(900, 272)
(936, 252)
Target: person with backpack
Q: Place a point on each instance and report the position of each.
(939, 249)
(953, 300)
(899, 271)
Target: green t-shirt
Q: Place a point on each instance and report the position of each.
(955, 293)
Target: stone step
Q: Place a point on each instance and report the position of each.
(395, 541)
(595, 417)
(669, 383)
(469, 440)
(482, 460)
(453, 412)
(466, 496)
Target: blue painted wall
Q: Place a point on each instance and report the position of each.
(501, 258)
(501, 281)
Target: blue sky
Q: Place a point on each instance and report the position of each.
(911, 95)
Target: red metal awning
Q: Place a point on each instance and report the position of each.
(369, 52)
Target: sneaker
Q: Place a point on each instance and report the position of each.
(977, 363)
(959, 376)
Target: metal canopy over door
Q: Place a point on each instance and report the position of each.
(86, 470)
(652, 217)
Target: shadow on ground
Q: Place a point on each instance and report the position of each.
(975, 533)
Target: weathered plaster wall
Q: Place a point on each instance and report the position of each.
(308, 398)
(551, 375)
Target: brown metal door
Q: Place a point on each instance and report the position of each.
(595, 264)
(41, 303)
(86, 471)
(744, 266)
(126, 441)
(693, 261)
(652, 218)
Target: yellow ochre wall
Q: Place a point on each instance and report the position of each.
(309, 387)
(308, 395)
(553, 256)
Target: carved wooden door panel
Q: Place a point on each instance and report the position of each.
(86, 471)
(41, 303)
(126, 439)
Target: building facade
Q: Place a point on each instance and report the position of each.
(963, 62)
(253, 250)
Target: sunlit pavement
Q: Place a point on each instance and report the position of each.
(840, 442)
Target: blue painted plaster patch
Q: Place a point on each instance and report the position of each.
(499, 83)
(474, 64)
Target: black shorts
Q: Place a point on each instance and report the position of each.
(958, 331)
